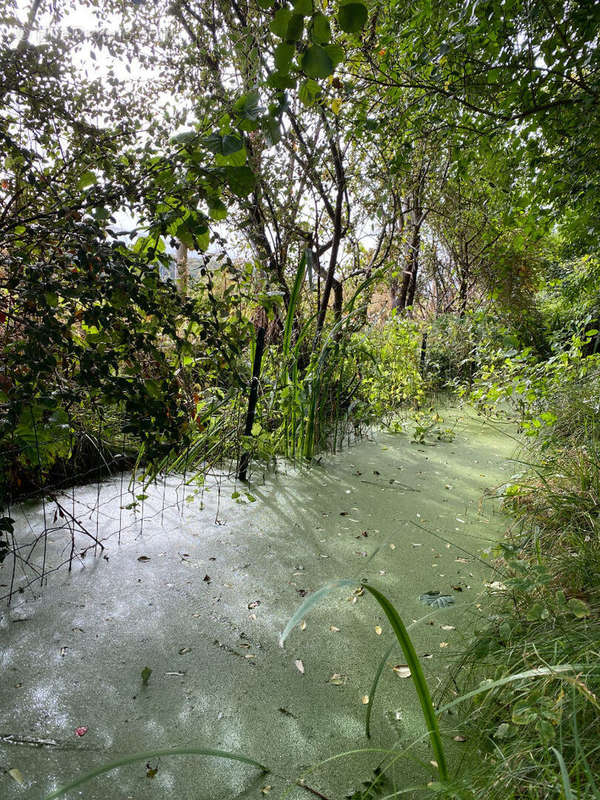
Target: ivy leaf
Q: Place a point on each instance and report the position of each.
(316, 62)
(352, 17)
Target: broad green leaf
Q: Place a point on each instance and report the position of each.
(316, 62)
(352, 17)
(87, 179)
(280, 22)
(335, 53)
(309, 91)
(241, 180)
(578, 607)
(217, 209)
(231, 144)
(304, 7)
(284, 53)
(279, 81)
(321, 29)
(295, 28)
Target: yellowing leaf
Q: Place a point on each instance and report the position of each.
(16, 775)
(443, 644)
(303, 625)
(378, 630)
(333, 629)
(365, 699)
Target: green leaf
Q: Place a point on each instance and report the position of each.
(280, 22)
(352, 17)
(279, 81)
(241, 180)
(231, 144)
(523, 712)
(146, 672)
(578, 607)
(284, 53)
(295, 28)
(309, 91)
(87, 179)
(321, 29)
(316, 62)
(336, 53)
(217, 209)
(304, 7)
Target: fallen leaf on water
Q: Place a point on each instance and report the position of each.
(365, 699)
(299, 666)
(402, 670)
(434, 763)
(266, 789)
(460, 738)
(253, 604)
(447, 627)
(207, 579)
(337, 679)
(457, 588)
(150, 770)
(333, 629)
(81, 731)
(462, 560)
(143, 558)
(183, 650)
(146, 672)
(443, 644)
(16, 775)
(427, 655)
(378, 630)
(392, 547)
(249, 655)
(303, 625)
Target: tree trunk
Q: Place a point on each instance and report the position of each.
(183, 274)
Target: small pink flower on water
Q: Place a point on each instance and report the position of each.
(81, 731)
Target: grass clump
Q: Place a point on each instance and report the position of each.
(535, 735)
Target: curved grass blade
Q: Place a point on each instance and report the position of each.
(374, 685)
(418, 678)
(564, 774)
(311, 601)
(538, 672)
(175, 751)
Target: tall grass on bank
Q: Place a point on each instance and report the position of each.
(538, 737)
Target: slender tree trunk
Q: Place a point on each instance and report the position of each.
(183, 274)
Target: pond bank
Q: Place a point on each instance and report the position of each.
(200, 596)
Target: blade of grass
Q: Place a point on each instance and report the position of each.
(310, 602)
(146, 756)
(374, 685)
(418, 678)
(539, 672)
(564, 774)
